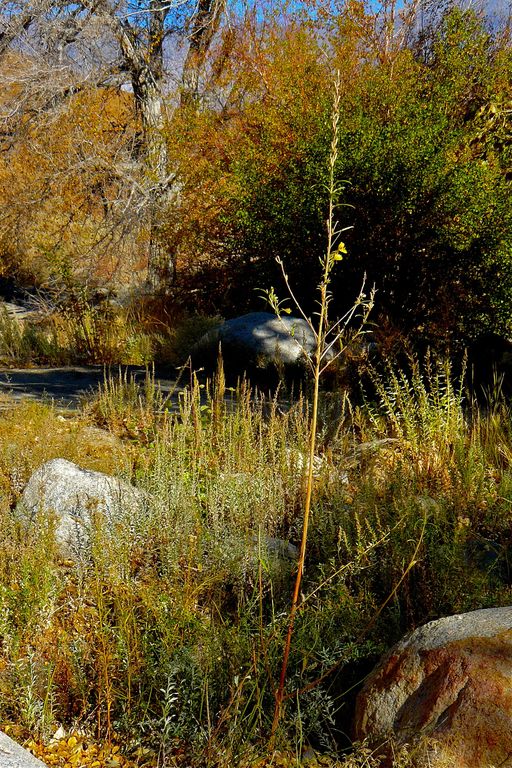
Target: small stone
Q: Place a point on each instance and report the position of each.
(309, 757)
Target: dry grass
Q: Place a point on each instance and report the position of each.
(32, 433)
(170, 640)
(80, 331)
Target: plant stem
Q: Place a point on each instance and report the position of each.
(327, 264)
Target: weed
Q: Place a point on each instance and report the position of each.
(171, 636)
(330, 341)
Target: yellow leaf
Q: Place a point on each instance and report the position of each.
(72, 741)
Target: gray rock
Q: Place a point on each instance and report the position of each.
(17, 311)
(14, 756)
(451, 682)
(258, 339)
(75, 496)
(274, 552)
(280, 549)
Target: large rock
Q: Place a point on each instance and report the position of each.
(257, 340)
(14, 756)
(75, 497)
(451, 681)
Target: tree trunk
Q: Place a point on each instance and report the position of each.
(145, 65)
(149, 101)
(204, 26)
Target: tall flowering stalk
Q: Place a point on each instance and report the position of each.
(329, 346)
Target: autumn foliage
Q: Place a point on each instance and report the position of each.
(425, 149)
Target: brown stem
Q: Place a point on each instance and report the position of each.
(309, 487)
(327, 265)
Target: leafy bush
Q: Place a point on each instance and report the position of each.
(424, 148)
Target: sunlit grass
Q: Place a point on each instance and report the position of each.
(170, 639)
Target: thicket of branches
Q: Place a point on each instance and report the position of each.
(184, 145)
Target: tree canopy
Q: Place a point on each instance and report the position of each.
(186, 144)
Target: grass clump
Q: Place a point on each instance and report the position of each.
(81, 330)
(103, 334)
(23, 342)
(169, 640)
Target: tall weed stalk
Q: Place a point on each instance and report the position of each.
(329, 339)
